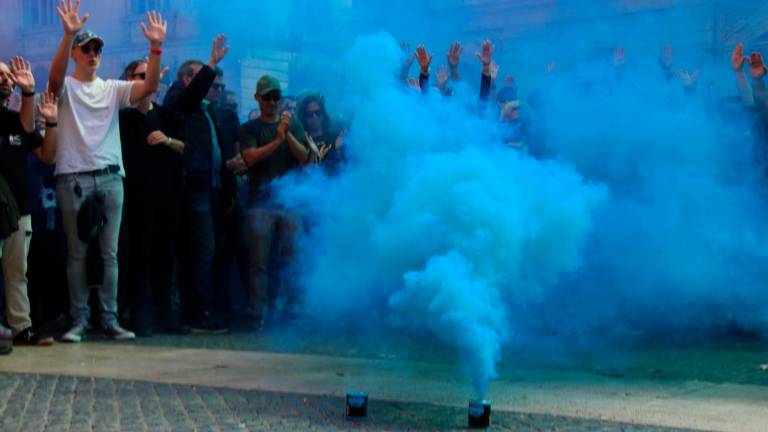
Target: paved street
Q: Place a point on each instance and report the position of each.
(289, 379)
(32, 402)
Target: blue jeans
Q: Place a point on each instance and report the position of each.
(69, 203)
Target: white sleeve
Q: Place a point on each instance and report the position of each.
(122, 91)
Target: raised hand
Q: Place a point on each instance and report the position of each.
(494, 70)
(688, 79)
(618, 57)
(22, 74)
(48, 107)
(70, 16)
(738, 58)
(408, 55)
(155, 34)
(219, 50)
(454, 54)
(667, 57)
(756, 65)
(550, 67)
(442, 76)
(485, 56)
(423, 58)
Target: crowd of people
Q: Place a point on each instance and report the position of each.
(98, 175)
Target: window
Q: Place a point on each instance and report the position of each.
(141, 6)
(40, 12)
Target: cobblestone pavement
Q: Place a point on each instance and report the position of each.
(58, 403)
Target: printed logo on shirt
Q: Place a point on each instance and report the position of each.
(15, 140)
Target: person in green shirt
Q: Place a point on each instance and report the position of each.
(271, 146)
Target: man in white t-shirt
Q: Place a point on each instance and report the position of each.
(89, 166)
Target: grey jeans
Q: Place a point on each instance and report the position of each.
(69, 203)
(268, 226)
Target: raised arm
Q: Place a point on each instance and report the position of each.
(48, 109)
(155, 34)
(251, 153)
(738, 59)
(757, 70)
(409, 57)
(424, 59)
(22, 76)
(72, 23)
(453, 56)
(192, 96)
(485, 57)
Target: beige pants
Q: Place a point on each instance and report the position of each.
(15, 251)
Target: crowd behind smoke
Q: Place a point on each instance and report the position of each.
(621, 195)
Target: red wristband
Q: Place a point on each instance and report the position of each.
(156, 51)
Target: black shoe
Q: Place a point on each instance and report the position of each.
(114, 331)
(29, 337)
(207, 325)
(6, 349)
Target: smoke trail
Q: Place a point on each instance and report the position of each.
(434, 225)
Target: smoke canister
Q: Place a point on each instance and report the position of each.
(357, 405)
(479, 414)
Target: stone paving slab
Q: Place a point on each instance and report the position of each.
(35, 402)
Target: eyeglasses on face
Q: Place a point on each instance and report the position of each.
(314, 113)
(91, 47)
(273, 96)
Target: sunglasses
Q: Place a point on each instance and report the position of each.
(217, 86)
(315, 113)
(142, 75)
(273, 96)
(88, 48)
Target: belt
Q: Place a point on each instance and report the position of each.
(110, 169)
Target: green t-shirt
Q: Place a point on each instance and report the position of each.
(257, 133)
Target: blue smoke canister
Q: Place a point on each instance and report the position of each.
(357, 405)
(479, 414)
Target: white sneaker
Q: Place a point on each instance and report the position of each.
(75, 334)
(5, 333)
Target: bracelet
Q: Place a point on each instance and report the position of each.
(156, 51)
(27, 94)
(51, 125)
(168, 141)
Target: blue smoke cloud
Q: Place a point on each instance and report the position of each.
(435, 222)
(644, 221)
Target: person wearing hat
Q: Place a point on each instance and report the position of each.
(271, 146)
(89, 157)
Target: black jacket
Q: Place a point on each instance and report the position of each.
(187, 103)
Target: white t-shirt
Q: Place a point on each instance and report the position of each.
(89, 130)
